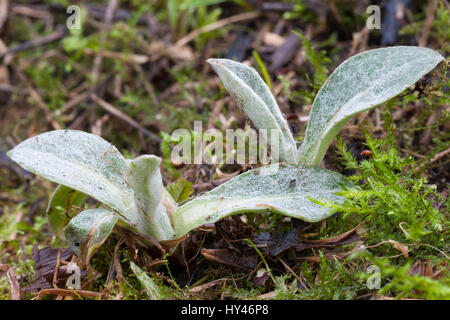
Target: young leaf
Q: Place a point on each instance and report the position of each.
(256, 101)
(81, 161)
(180, 190)
(63, 198)
(287, 191)
(169, 203)
(144, 177)
(87, 231)
(358, 84)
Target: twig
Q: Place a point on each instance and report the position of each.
(199, 187)
(58, 34)
(109, 14)
(40, 103)
(4, 4)
(85, 95)
(67, 292)
(14, 285)
(268, 295)
(125, 57)
(207, 285)
(415, 154)
(440, 155)
(55, 274)
(31, 12)
(301, 280)
(217, 25)
(403, 229)
(430, 246)
(277, 6)
(434, 159)
(335, 11)
(427, 25)
(110, 10)
(408, 244)
(119, 114)
(426, 138)
(117, 265)
(147, 86)
(18, 219)
(8, 88)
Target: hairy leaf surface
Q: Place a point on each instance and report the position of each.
(58, 209)
(358, 84)
(255, 99)
(84, 162)
(281, 188)
(144, 177)
(87, 231)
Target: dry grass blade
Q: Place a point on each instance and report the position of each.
(57, 35)
(207, 285)
(300, 278)
(434, 159)
(66, 292)
(38, 100)
(119, 114)
(217, 25)
(117, 265)
(431, 10)
(4, 4)
(109, 14)
(132, 58)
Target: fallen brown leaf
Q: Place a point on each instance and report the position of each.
(279, 243)
(400, 247)
(45, 262)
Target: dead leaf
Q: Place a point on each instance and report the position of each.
(400, 247)
(277, 243)
(273, 39)
(207, 285)
(261, 278)
(229, 258)
(280, 242)
(45, 261)
(426, 269)
(285, 52)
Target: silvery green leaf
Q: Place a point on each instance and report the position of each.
(84, 162)
(255, 99)
(282, 188)
(358, 84)
(58, 209)
(87, 231)
(150, 286)
(144, 177)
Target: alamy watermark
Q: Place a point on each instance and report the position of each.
(374, 20)
(74, 281)
(73, 22)
(374, 281)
